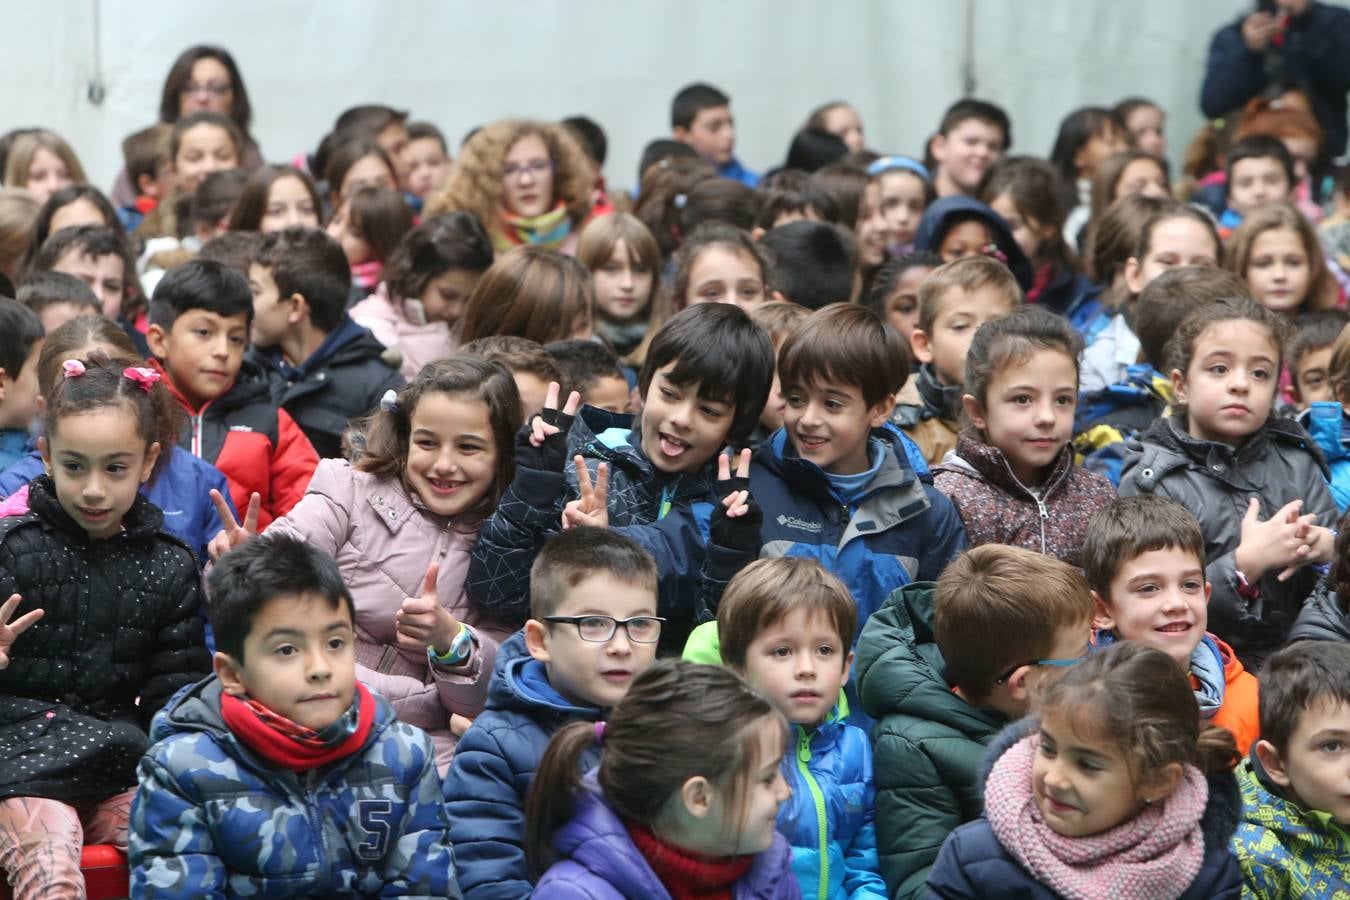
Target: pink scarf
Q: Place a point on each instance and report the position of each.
(1157, 854)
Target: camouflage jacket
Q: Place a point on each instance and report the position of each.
(212, 819)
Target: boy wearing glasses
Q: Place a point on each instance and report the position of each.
(593, 629)
(942, 668)
(1144, 558)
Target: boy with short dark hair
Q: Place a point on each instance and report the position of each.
(57, 298)
(1295, 836)
(199, 321)
(700, 116)
(836, 483)
(593, 628)
(785, 625)
(145, 154)
(531, 367)
(593, 371)
(1260, 173)
(789, 195)
(954, 301)
(810, 263)
(235, 249)
(341, 796)
(1144, 558)
(1309, 356)
(98, 256)
(20, 345)
(323, 368)
(656, 478)
(971, 138)
(943, 668)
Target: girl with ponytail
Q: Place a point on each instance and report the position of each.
(1112, 789)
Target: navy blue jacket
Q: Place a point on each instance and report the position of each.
(902, 529)
(669, 516)
(494, 764)
(1315, 57)
(973, 863)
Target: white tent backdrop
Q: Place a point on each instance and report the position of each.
(460, 64)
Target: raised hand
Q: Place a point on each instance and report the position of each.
(422, 621)
(234, 533)
(10, 631)
(736, 521)
(591, 509)
(542, 445)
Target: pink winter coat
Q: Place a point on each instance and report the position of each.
(401, 324)
(383, 542)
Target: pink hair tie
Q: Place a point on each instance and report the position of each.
(600, 732)
(145, 378)
(72, 368)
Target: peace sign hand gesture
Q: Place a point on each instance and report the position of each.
(592, 508)
(10, 631)
(542, 444)
(736, 521)
(233, 534)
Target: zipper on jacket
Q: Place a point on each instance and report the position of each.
(197, 435)
(315, 816)
(823, 848)
(1045, 514)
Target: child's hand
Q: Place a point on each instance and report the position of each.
(459, 724)
(736, 521)
(10, 631)
(1282, 541)
(1320, 543)
(544, 446)
(422, 621)
(591, 510)
(233, 534)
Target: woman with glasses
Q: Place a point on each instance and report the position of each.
(202, 79)
(527, 182)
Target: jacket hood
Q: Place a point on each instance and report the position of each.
(514, 685)
(942, 215)
(900, 669)
(779, 457)
(1223, 808)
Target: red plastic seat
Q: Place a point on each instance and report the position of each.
(106, 875)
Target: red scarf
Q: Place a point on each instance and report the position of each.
(1040, 281)
(688, 876)
(291, 746)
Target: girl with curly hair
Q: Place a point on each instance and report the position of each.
(528, 182)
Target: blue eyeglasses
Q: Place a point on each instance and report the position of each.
(1059, 663)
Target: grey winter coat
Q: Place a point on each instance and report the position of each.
(1278, 464)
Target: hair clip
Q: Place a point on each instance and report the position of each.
(389, 402)
(600, 732)
(680, 200)
(992, 250)
(72, 368)
(145, 378)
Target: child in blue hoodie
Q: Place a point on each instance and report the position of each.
(654, 477)
(785, 625)
(570, 663)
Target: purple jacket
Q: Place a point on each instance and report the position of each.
(599, 862)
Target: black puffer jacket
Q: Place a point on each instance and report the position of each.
(120, 621)
(1325, 617)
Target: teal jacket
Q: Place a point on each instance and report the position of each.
(927, 742)
(1284, 849)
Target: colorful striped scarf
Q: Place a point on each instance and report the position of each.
(548, 229)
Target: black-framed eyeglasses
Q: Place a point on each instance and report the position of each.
(1061, 663)
(598, 629)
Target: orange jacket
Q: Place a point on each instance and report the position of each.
(1238, 713)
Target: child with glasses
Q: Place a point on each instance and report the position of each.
(593, 629)
(942, 668)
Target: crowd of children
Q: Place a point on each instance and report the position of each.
(382, 523)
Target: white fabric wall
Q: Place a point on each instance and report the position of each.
(460, 64)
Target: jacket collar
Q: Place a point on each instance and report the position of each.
(989, 463)
(511, 687)
(141, 523)
(939, 401)
(1172, 437)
